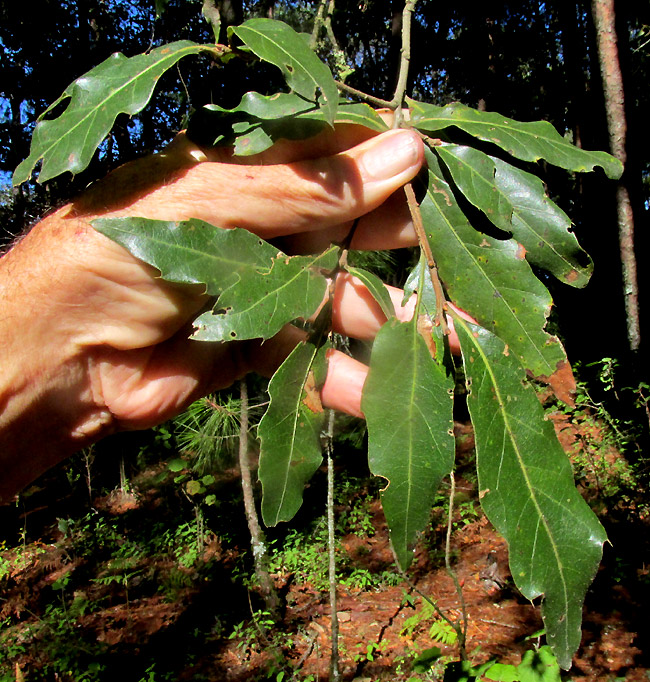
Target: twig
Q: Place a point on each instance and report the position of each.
(462, 632)
(258, 541)
(416, 216)
(377, 101)
(402, 78)
(318, 23)
(501, 625)
(218, 408)
(335, 674)
(324, 19)
(305, 656)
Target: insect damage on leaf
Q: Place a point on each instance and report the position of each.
(312, 396)
(425, 330)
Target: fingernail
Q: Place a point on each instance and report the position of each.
(391, 154)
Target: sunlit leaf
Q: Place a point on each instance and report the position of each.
(501, 672)
(542, 227)
(526, 141)
(350, 112)
(265, 107)
(258, 121)
(527, 491)
(490, 279)
(516, 202)
(277, 43)
(290, 431)
(192, 251)
(262, 302)
(118, 85)
(407, 402)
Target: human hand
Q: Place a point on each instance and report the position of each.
(308, 200)
(108, 337)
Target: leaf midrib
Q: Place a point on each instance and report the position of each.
(558, 146)
(489, 281)
(306, 270)
(182, 248)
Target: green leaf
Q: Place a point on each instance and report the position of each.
(526, 141)
(419, 280)
(473, 172)
(211, 13)
(118, 85)
(407, 401)
(258, 121)
(500, 672)
(542, 227)
(376, 288)
(277, 43)
(194, 488)
(516, 202)
(213, 124)
(349, 112)
(191, 251)
(260, 288)
(289, 432)
(527, 491)
(262, 302)
(539, 666)
(264, 107)
(489, 278)
(176, 465)
(424, 662)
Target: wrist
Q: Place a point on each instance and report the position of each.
(49, 408)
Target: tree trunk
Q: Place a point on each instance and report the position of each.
(610, 69)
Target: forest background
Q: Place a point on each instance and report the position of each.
(526, 60)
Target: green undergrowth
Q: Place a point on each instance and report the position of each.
(607, 437)
(148, 564)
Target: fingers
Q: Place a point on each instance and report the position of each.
(356, 313)
(143, 386)
(344, 384)
(387, 227)
(303, 196)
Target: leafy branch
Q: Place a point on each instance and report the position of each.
(525, 478)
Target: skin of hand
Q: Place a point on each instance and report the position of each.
(93, 341)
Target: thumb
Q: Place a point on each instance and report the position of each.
(332, 190)
(287, 198)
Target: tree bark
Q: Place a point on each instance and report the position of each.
(258, 541)
(610, 69)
